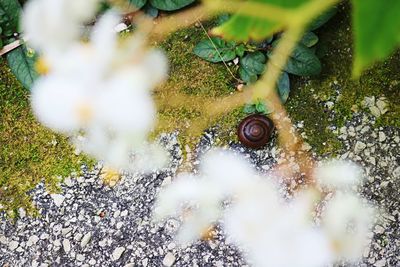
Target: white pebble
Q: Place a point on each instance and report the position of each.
(169, 259)
(58, 199)
(117, 253)
(86, 239)
(66, 245)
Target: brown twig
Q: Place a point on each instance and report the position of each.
(219, 53)
(12, 46)
(164, 26)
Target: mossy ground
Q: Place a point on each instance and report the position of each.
(200, 81)
(192, 76)
(29, 152)
(336, 84)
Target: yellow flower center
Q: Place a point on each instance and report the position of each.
(42, 67)
(85, 113)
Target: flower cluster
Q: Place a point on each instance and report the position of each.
(98, 90)
(306, 230)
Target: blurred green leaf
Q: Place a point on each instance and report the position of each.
(243, 28)
(261, 107)
(309, 39)
(284, 87)
(206, 49)
(22, 64)
(251, 66)
(246, 76)
(137, 3)
(249, 108)
(302, 62)
(150, 10)
(254, 62)
(376, 31)
(240, 49)
(321, 20)
(223, 18)
(170, 5)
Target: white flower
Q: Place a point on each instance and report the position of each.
(199, 195)
(222, 174)
(274, 232)
(295, 245)
(59, 103)
(338, 174)
(83, 10)
(253, 211)
(103, 90)
(347, 223)
(124, 108)
(227, 170)
(148, 157)
(52, 25)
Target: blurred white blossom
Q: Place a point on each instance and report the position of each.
(272, 230)
(348, 221)
(200, 196)
(53, 25)
(100, 90)
(338, 174)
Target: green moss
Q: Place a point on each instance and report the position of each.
(336, 84)
(199, 80)
(29, 152)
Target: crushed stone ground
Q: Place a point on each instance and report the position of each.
(89, 224)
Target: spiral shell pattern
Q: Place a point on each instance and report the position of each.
(255, 131)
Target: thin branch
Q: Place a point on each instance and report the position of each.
(12, 46)
(254, 9)
(219, 54)
(164, 26)
(265, 88)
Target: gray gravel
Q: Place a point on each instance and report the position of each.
(89, 224)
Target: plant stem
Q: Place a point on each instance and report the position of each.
(265, 88)
(164, 26)
(254, 9)
(219, 53)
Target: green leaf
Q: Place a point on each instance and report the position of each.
(240, 49)
(150, 10)
(207, 49)
(221, 19)
(284, 87)
(251, 65)
(376, 31)
(302, 62)
(260, 107)
(9, 16)
(246, 76)
(309, 39)
(137, 3)
(22, 64)
(249, 108)
(254, 62)
(242, 28)
(321, 20)
(170, 5)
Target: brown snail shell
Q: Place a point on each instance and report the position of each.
(255, 131)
